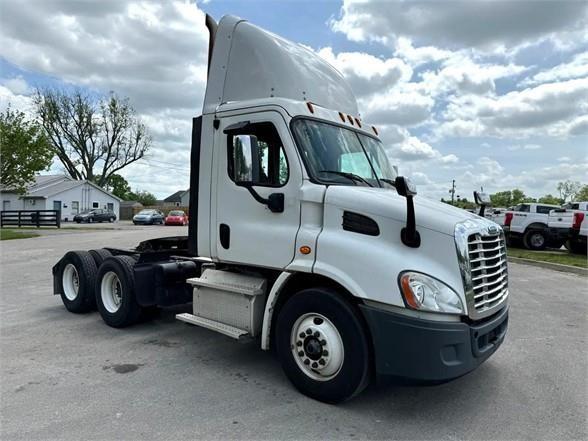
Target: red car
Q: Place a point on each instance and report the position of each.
(176, 217)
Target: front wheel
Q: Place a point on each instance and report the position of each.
(323, 345)
(111, 220)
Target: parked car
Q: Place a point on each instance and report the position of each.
(176, 217)
(96, 215)
(149, 217)
(565, 226)
(528, 222)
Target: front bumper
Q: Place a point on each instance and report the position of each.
(426, 350)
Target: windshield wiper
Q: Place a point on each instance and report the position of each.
(351, 176)
(388, 181)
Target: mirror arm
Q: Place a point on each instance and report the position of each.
(275, 202)
(409, 235)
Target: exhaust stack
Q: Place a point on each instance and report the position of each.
(212, 27)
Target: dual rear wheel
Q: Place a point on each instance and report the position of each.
(98, 280)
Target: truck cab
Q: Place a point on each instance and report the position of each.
(303, 237)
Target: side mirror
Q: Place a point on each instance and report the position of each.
(404, 186)
(409, 235)
(245, 159)
(481, 198)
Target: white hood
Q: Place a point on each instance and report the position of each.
(434, 215)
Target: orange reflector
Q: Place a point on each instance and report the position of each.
(310, 107)
(375, 130)
(408, 294)
(350, 119)
(342, 116)
(358, 122)
(305, 249)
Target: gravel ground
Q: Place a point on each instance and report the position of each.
(66, 376)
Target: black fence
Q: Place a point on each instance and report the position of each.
(30, 218)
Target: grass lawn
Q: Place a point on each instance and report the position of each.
(561, 257)
(8, 234)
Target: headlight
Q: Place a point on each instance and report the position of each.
(424, 293)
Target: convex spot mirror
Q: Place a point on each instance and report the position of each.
(245, 159)
(481, 198)
(404, 186)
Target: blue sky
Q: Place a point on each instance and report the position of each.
(489, 93)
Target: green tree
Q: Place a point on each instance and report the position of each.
(143, 197)
(568, 189)
(549, 199)
(24, 150)
(582, 194)
(509, 198)
(93, 139)
(119, 187)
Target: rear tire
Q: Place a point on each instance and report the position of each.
(323, 345)
(76, 278)
(100, 255)
(115, 292)
(535, 240)
(577, 248)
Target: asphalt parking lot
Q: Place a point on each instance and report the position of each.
(66, 376)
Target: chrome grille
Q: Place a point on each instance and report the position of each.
(488, 271)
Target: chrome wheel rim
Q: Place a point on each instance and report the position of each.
(537, 240)
(317, 347)
(111, 292)
(70, 282)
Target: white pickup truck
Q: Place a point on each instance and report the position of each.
(303, 237)
(528, 223)
(567, 224)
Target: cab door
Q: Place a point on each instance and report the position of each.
(258, 182)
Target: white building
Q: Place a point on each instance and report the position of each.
(59, 192)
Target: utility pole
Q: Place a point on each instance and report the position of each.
(452, 191)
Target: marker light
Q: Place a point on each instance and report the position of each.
(310, 106)
(350, 119)
(375, 130)
(342, 116)
(358, 122)
(305, 249)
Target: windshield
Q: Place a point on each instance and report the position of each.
(176, 213)
(143, 212)
(335, 154)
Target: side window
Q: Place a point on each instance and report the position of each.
(256, 155)
(525, 208)
(543, 209)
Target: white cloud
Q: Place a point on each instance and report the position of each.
(482, 24)
(554, 109)
(576, 68)
(365, 73)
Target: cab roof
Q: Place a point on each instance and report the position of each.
(250, 63)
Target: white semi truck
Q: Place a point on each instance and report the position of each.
(303, 236)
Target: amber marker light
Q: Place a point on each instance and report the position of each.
(375, 130)
(350, 119)
(342, 116)
(305, 249)
(358, 122)
(409, 296)
(310, 106)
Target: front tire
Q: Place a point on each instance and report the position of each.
(76, 278)
(535, 240)
(115, 292)
(322, 344)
